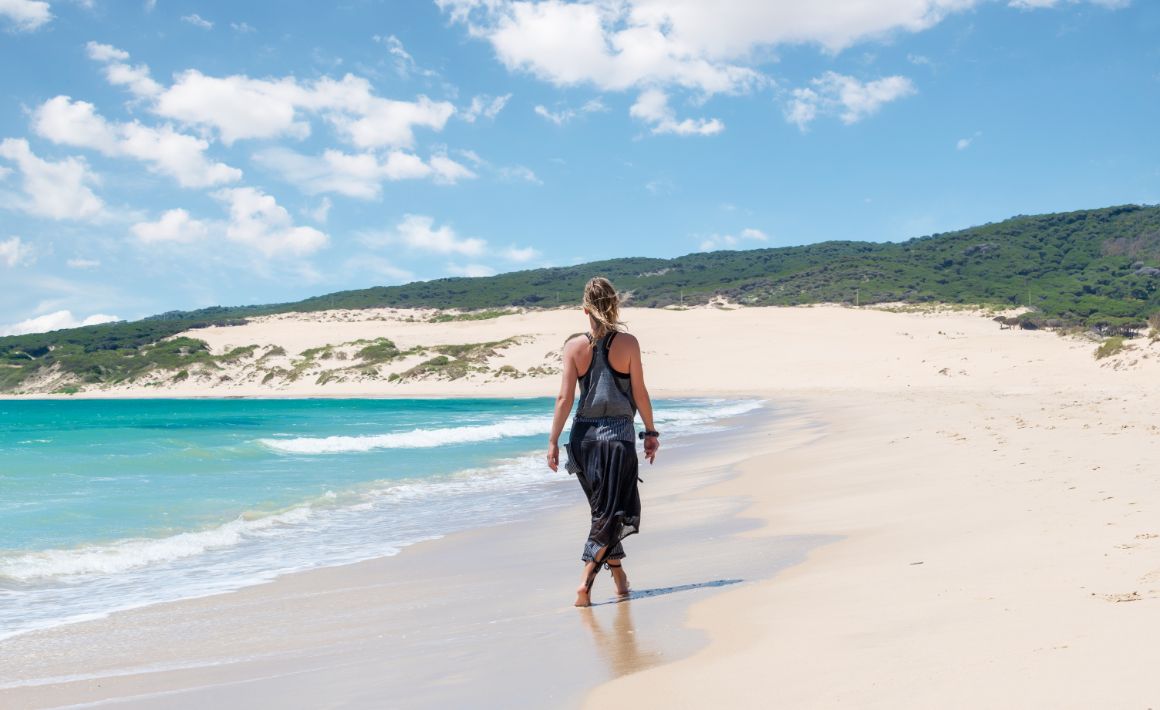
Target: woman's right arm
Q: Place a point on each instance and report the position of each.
(563, 402)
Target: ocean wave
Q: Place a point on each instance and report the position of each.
(414, 439)
(707, 412)
(125, 555)
(513, 427)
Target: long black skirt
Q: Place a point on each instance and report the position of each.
(608, 474)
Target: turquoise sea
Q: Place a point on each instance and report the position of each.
(114, 504)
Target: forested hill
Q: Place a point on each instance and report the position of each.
(1091, 267)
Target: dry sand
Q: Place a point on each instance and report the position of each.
(978, 505)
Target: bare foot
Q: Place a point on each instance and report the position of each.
(582, 598)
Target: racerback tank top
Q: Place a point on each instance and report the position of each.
(604, 392)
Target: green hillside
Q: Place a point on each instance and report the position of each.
(1096, 268)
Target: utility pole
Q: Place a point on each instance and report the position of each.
(857, 298)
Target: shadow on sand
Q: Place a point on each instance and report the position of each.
(646, 593)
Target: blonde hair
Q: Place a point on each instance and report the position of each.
(603, 305)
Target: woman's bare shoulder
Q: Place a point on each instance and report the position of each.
(575, 342)
(628, 339)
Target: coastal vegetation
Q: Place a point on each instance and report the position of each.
(1091, 269)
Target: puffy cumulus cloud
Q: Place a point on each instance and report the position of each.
(54, 321)
(614, 46)
(238, 107)
(357, 175)
(652, 107)
(372, 122)
(483, 105)
(166, 151)
(173, 226)
(25, 15)
(258, 221)
(57, 190)
(707, 47)
(730, 241)
(15, 252)
(845, 96)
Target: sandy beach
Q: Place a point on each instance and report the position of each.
(932, 511)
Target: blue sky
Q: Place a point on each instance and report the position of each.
(159, 155)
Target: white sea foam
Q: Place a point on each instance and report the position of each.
(512, 427)
(414, 439)
(125, 555)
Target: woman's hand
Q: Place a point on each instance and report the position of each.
(651, 445)
(554, 456)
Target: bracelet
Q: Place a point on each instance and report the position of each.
(649, 432)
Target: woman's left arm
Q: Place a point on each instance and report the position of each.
(563, 402)
(642, 400)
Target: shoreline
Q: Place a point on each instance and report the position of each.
(985, 498)
(120, 634)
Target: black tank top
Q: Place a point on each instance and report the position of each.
(604, 392)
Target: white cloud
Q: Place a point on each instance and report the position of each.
(242, 27)
(729, 241)
(848, 98)
(470, 270)
(166, 151)
(58, 190)
(197, 21)
(378, 122)
(257, 220)
(520, 254)
(964, 143)
(238, 107)
(405, 64)
(614, 46)
(417, 232)
(652, 107)
(79, 263)
(518, 173)
(54, 321)
(173, 226)
(15, 252)
(25, 15)
(321, 213)
(119, 73)
(558, 117)
(357, 175)
(564, 115)
(485, 106)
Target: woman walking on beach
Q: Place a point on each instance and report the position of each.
(606, 363)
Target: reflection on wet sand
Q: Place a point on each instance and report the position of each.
(619, 647)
